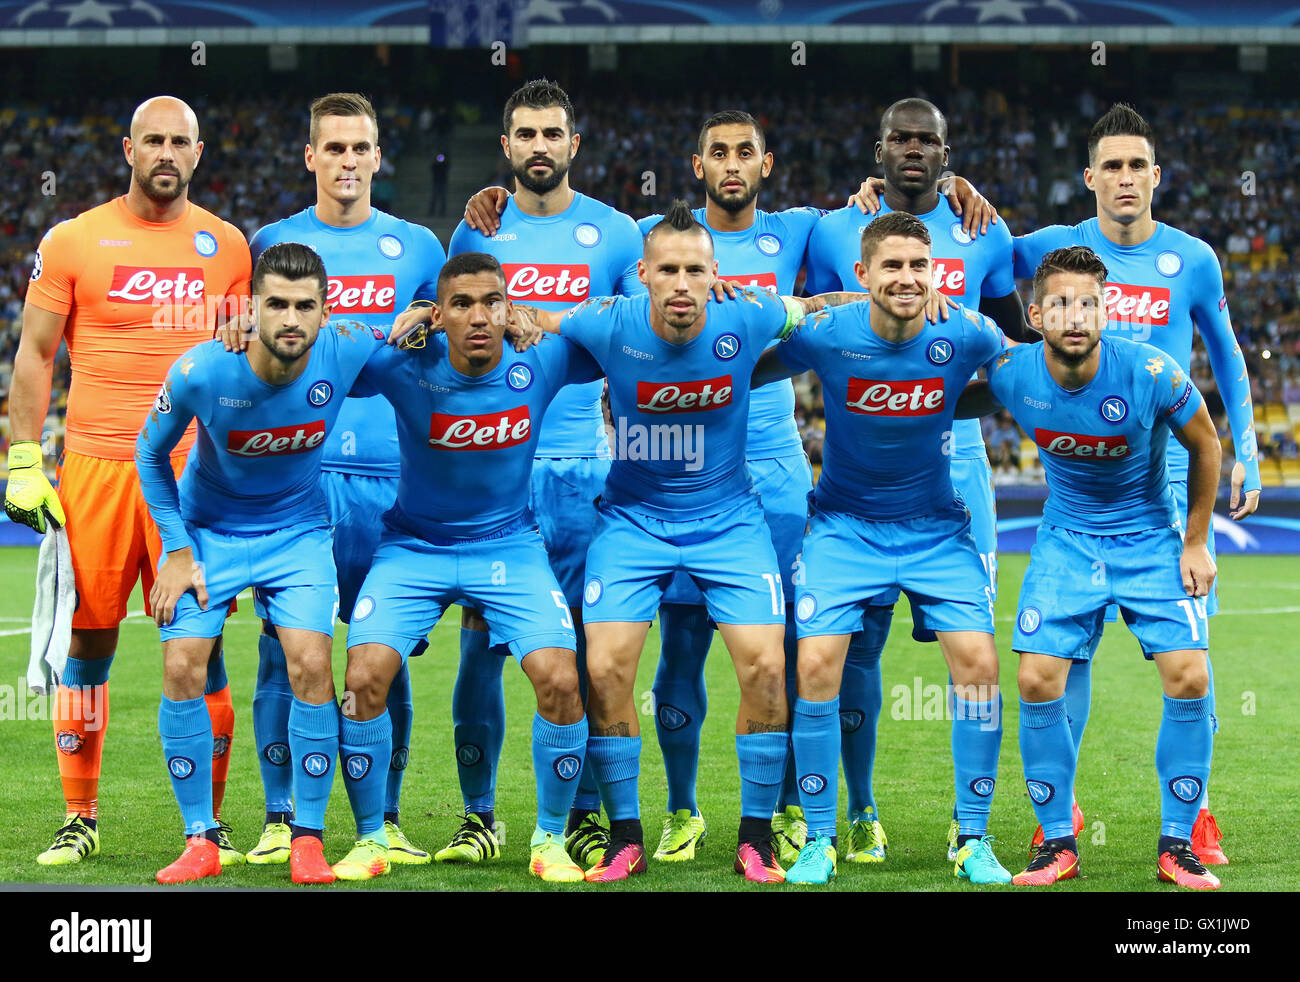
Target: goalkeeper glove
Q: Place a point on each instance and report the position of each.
(29, 498)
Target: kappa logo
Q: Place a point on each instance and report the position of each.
(163, 404)
(519, 377)
(69, 742)
(768, 244)
(806, 607)
(357, 766)
(591, 595)
(940, 351)
(1031, 619)
(851, 720)
(812, 784)
(1186, 788)
(400, 757)
(320, 393)
(277, 754)
(220, 745)
(468, 754)
(180, 767)
(390, 246)
(568, 767)
(672, 718)
(1114, 409)
(586, 234)
(983, 786)
(1040, 791)
(205, 244)
(727, 347)
(316, 765)
(364, 608)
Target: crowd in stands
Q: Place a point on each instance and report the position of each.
(1226, 178)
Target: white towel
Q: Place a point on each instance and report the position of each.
(56, 598)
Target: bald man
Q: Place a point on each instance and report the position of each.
(130, 286)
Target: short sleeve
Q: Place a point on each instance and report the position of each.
(53, 283)
(1000, 279)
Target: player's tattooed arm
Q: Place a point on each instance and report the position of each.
(977, 400)
(613, 730)
(1204, 460)
(762, 726)
(412, 324)
(837, 299)
(532, 321)
(483, 210)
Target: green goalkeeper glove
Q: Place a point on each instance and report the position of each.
(29, 498)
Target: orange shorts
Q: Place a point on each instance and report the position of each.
(113, 539)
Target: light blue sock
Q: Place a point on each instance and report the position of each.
(976, 740)
(862, 694)
(363, 748)
(1078, 703)
(558, 754)
(1209, 694)
(401, 710)
(271, 702)
(616, 762)
(763, 759)
(186, 731)
(1047, 750)
(789, 791)
(478, 716)
(816, 735)
(313, 745)
(680, 698)
(1183, 748)
(587, 796)
(80, 672)
(216, 674)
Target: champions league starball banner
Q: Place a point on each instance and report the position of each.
(467, 22)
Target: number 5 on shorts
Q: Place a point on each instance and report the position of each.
(567, 619)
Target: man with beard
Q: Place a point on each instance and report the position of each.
(974, 271)
(1101, 411)
(130, 286)
(557, 247)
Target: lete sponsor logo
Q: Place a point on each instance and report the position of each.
(949, 277)
(361, 294)
(683, 397)
(1079, 445)
(175, 284)
(562, 282)
(277, 440)
(490, 431)
(902, 397)
(1137, 304)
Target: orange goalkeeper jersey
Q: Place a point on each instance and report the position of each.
(138, 295)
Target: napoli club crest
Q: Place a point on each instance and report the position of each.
(959, 234)
(390, 246)
(1169, 263)
(519, 377)
(1114, 409)
(586, 234)
(727, 347)
(940, 351)
(768, 244)
(1030, 620)
(320, 393)
(205, 244)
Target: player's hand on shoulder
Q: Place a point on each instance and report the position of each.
(483, 210)
(178, 575)
(237, 331)
(1198, 569)
(937, 305)
(524, 329)
(1248, 501)
(976, 211)
(723, 290)
(867, 196)
(412, 324)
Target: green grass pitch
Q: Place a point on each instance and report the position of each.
(1254, 782)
